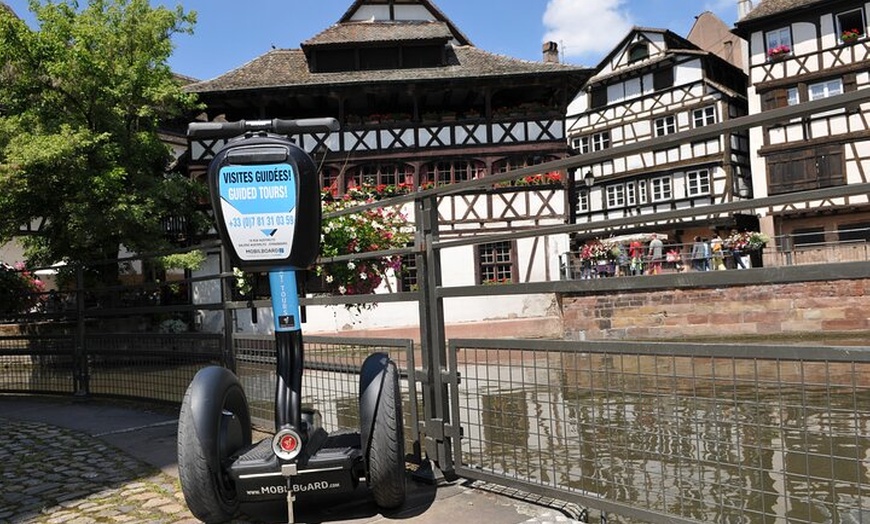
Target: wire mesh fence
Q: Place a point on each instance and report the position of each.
(330, 382)
(672, 433)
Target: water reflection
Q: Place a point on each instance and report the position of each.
(722, 442)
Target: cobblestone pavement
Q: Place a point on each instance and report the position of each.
(58, 476)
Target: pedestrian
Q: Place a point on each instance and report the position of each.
(734, 244)
(635, 253)
(656, 251)
(718, 251)
(698, 255)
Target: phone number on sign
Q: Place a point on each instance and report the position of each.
(262, 221)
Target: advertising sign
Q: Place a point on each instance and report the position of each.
(258, 203)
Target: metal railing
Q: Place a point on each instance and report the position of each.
(784, 250)
(666, 432)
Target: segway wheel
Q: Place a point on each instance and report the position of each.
(387, 452)
(214, 423)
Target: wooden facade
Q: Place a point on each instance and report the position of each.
(652, 84)
(419, 106)
(798, 51)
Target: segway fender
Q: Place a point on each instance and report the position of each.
(373, 371)
(204, 402)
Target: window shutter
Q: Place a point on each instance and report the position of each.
(831, 166)
(773, 99)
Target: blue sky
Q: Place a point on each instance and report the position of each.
(229, 32)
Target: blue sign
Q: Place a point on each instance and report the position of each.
(258, 203)
(285, 300)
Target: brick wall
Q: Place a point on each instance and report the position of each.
(839, 306)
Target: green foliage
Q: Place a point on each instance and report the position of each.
(81, 99)
(192, 260)
(378, 229)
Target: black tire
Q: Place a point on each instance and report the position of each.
(387, 453)
(214, 423)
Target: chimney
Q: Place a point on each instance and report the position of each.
(551, 53)
(743, 8)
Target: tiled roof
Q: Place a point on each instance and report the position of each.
(355, 32)
(289, 68)
(775, 7)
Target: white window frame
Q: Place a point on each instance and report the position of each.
(793, 96)
(698, 182)
(642, 193)
(630, 194)
(665, 125)
(661, 189)
(839, 18)
(704, 116)
(601, 141)
(827, 88)
(615, 196)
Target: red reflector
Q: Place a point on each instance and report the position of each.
(289, 443)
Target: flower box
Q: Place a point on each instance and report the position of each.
(850, 35)
(779, 52)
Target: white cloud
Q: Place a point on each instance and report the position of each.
(586, 29)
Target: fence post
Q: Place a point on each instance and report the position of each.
(436, 405)
(81, 372)
(226, 268)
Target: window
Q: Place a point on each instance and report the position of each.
(598, 97)
(583, 201)
(442, 173)
(663, 79)
(630, 194)
(576, 144)
(495, 262)
(778, 42)
(854, 232)
(851, 25)
(808, 236)
(601, 141)
(595, 142)
(704, 117)
(379, 175)
(666, 125)
(616, 196)
(825, 89)
(642, 195)
(407, 274)
(661, 188)
(792, 96)
(638, 51)
(698, 182)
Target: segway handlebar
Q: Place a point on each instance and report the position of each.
(276, 125)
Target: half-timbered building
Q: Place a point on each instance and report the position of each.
(799, 51)
(652, 84)
(420, 105)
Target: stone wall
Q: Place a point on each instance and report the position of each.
(746, 310)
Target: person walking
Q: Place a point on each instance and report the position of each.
(699, 256)
(717, 247)
(656, 252)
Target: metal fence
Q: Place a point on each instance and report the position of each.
(330, 383)
(666, 432)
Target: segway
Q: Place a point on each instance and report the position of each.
(266, 199)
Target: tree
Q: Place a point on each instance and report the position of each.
(81, 99)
